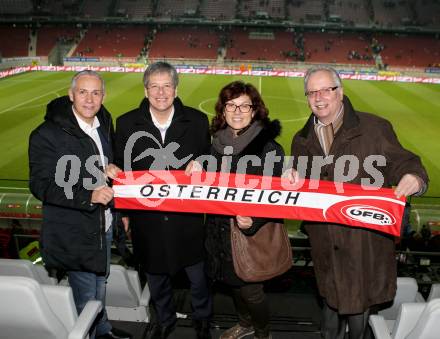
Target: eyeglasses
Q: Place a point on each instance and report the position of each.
(244, 108)
(323, 91)
(155, 88)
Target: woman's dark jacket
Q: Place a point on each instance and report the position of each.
(218, 241)
(164, 242)
(73, 229)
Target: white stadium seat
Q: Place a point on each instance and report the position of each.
(32, 310)
(125, 300)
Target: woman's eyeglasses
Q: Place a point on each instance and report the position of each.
(244, 108)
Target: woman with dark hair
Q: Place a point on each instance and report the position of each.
(241, 128)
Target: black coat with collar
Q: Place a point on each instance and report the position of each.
(218, 237)
(73, 229)
(164, 242)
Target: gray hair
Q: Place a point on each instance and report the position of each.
(161, 67)
(90, 73)
(334, 74)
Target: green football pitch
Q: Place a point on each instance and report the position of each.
(413, 109)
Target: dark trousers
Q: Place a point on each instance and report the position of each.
(252, 308)
(162, 295)
(333, 324)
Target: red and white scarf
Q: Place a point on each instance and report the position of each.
(261, 196)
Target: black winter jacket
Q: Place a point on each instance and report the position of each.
(73, 230)
(163, 242)
(218, 238)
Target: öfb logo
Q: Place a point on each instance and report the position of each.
(368, 214)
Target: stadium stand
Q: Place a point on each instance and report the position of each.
(263, 9)
(424, 13)
(218, 9)
(112, 41)
(14, 41)
(409, 51)
(176, 8)
(185, 42)
(236, 43)
(255, 44)
(95, 8)
(134, 9)
(349, 12)
(18, 7)
(391, 13)
(63, 8)
(337, 47)
(311, 11)
(276, 45)
(47, 38)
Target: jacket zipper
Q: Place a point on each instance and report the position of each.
(102, 211)
(102, 224)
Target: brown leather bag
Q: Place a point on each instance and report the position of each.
(261, 256)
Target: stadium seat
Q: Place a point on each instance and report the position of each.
(25, 268)
(414, 321)
(32, 310)
(125, 300)
(407, 291)
(434, 293)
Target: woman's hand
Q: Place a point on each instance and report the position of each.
(193, 167)
(244, 222)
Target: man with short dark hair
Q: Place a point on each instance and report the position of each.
(69, 156)
(167, 135)
(355, 267)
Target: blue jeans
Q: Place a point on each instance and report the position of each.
(89, 286)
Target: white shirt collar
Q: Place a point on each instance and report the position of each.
(166, 124)
(84, 125)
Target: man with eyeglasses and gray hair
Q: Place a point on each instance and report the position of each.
(355, 268)
(165, 243)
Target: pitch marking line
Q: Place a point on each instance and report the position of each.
(30, 100)
(13, 188)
